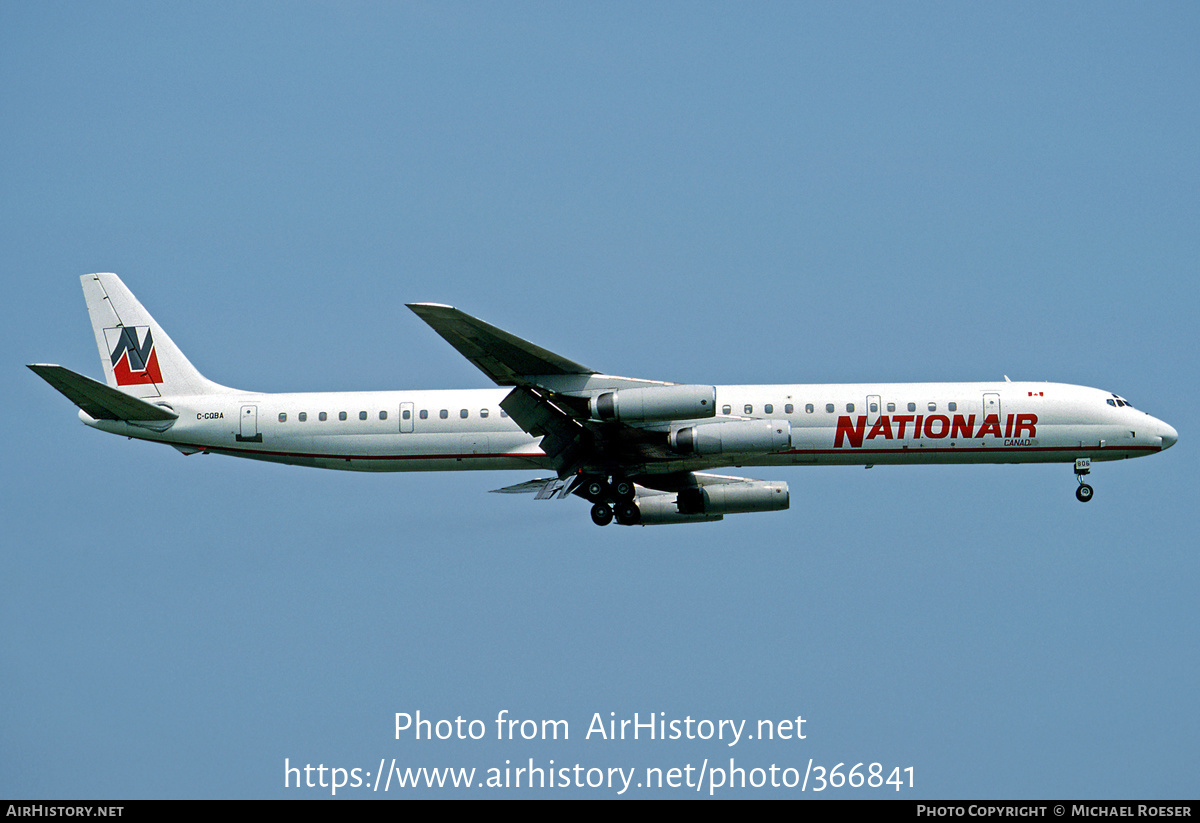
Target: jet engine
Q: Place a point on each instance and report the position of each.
(655, 403)
(712, 502)
(734, 437)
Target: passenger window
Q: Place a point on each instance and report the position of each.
(749, 408)
(769, 408)
(362, 415)
(444, 414)
(874, 408)
(729, 409)
(283, 417)
(424, 414)
(383, 415)
(850, 408)
(808, 408)
(912, 406)
(829, 408)
(891, 407)
(483, 412)
(303, 416)
(789, 408)
(341, 415)
(933, 406)
(322, 417)
(406, 414)
(463, 414)
(953, 407)
(503, 413)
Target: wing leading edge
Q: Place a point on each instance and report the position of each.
(505, 358)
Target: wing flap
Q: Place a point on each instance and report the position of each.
(543, 489)
(98, 399)
(540, 416)
(528, 487)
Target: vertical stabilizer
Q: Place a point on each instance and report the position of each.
(138, 356)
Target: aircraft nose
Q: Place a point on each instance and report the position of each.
(1169, 435)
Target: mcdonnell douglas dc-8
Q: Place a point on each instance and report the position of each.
(640, 451)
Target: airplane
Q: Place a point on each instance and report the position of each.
(640, 451)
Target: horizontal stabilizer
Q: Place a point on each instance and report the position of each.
(100, 401)
(501, 356)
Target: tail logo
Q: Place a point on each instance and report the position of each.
(133, 363)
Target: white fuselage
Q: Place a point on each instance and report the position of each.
(846, 424)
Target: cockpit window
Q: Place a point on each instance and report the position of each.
(1120, 401)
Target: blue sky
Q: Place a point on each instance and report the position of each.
(705, 193)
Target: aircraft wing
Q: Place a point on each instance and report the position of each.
(503, 357)
(544, 488)
(548, 487)
(551, 393)
(98, 399)
(556, 399)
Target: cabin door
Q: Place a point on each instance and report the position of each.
(249, 422)
(991, 405)
(874, 407)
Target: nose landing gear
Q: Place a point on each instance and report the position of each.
(1083, 466)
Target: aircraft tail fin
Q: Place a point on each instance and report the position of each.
(138, 356)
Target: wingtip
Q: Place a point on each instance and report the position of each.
(418, 306)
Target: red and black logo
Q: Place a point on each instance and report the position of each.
(133, 363)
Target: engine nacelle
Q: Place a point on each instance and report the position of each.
(662, 509)
(708, 503)
(734, 498)
(655, 403)
(734, 437)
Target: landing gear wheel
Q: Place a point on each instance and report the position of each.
(628, 514)
(623, 490)
(1083, 465)
(595, 490)
(602, 514)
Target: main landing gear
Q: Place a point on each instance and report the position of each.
(602, 514)
(613, 501)
(1083, 466)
